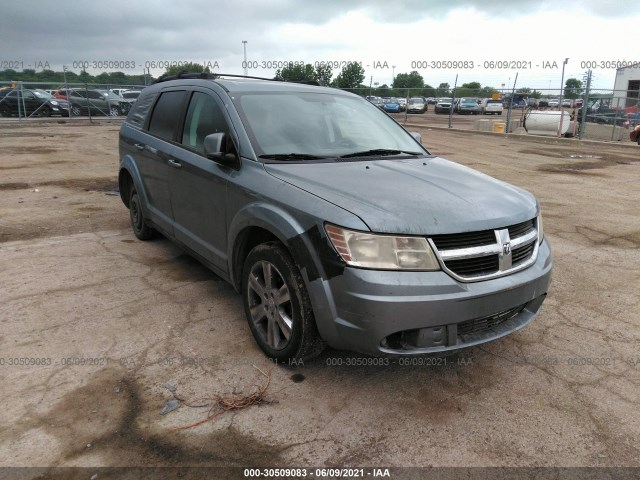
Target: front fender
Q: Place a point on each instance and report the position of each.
(268, 217)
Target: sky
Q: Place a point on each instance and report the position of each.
(438, 38)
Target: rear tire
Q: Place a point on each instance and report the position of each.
(277, 305)
(138, 221)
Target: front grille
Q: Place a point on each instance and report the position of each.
(464, 240)
(521, 229)
(473, 256)
(475, 266)
(522, 254)
(478, 325)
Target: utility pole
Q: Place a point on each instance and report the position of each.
(244, 47)
(453, 99)
(585, 101)
(566, 60)
(66, 89)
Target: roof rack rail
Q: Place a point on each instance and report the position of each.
(212, 76)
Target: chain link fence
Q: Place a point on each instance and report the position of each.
(25, 100)
(591, 114)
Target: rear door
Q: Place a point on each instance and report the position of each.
(198, 184)
(155, 149)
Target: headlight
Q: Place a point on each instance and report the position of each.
(382, 252)
(540, 230)
(53, 102)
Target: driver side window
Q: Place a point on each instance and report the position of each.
(204, 117)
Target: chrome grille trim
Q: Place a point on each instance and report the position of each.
(503, 248)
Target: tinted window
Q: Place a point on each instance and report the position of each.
(140, 109)
(204, 117)
(164, 119)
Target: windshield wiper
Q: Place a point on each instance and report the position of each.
(378, 152)
(290, 156)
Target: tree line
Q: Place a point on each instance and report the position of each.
(351, 77)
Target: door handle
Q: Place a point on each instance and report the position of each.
(139, 146)
(174, 164)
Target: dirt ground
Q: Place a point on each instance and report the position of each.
(98, 328)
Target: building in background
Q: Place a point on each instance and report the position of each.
(626, 87)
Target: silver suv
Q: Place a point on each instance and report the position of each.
(334, 223)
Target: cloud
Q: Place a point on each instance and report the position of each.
(366, 30)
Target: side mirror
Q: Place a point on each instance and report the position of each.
(214, 149)
(417, 137)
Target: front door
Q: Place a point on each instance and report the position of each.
(199, 185)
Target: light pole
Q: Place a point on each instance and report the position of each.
(393, 74)
(244, 47)
(566, 60)
(66, 88)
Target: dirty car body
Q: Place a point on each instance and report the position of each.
(335, 224)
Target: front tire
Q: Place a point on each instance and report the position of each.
(138, 221)
(277, 305)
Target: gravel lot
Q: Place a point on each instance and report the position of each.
(97, 328)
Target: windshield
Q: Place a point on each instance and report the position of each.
(319, 124)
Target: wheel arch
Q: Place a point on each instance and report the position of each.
(128, 177)
(260, 223)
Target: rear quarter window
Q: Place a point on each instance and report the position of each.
(166, 114)
(140, 109)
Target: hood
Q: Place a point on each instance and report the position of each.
(426, 196)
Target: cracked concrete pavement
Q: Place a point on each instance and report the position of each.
(94, 324)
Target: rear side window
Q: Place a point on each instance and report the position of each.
(204, 117)
(165, 116)
(140, 109)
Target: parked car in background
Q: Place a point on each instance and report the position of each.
(518, 101)
(391, 105)
(603, 110)
(403, 104)
(119, 91)
(82, 101)
(567, 102)
(490, 106)
(467, 106)
(334, 224)
(123, 104)
(553, 102)
(431, 101)
(443, 105)
(377, 101)
(35, 102)
(416, 105)
(130, 96)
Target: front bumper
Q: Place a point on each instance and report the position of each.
(405, 313)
